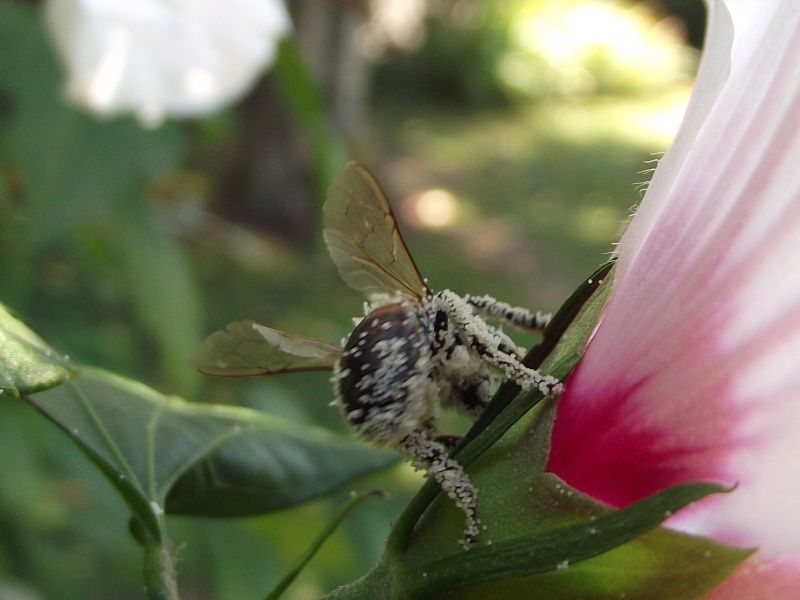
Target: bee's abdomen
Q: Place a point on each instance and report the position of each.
(378, 376)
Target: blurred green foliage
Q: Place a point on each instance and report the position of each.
(475, 53)
(92, 258)
(456, 59)
(77, 188)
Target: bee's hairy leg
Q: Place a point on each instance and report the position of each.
(519, 317)
(431, 455)
(484, 340)
(523, 376)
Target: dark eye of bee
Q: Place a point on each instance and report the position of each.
(378, 362)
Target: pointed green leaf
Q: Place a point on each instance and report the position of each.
(27, 364)
(575, 322)
(533, 515)
(660, 565)
(563, 343)
(558, 548)
(199, 459)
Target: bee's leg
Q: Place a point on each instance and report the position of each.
(485, 341)
(518, 317)
(514, 370)
(431, 456)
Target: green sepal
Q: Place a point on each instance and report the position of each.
(559, 352)
(559, 548)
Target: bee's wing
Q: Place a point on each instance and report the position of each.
(246, 349)
(363, 238)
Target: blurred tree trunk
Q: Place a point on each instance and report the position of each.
(267, 179)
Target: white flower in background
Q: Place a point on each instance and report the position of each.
(157, 58)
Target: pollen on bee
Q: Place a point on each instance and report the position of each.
(356, 414)
(413, 356)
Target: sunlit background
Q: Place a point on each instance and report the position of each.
(512, 137)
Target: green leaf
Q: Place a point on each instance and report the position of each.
(198, 459)
(27, 364)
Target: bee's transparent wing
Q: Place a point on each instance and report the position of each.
(246, 349)
(363, 238)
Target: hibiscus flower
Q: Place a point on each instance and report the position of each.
(694, 371)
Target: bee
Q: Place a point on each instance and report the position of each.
(414, 352)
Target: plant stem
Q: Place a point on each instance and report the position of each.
(159, 562)
(159, 573)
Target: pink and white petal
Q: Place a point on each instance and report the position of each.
(692, 375)
(711, 77)
(775, 579)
